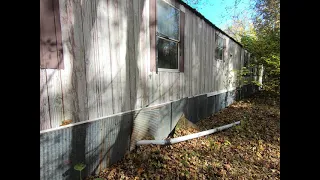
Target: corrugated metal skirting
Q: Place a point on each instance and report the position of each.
(103, 142)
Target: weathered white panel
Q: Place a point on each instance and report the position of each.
(124, 52)
(210, 51)
(202, 73)
(205, 58)
(226, 75)
(94, 73)
(175, 78)
(171, 86)
(197, 61)
(182, 86)
(106, 48)
(144, 49)
(132, 54)
(55, 97)
(164, 86)
(67, 75)
(44, 104)
(195, 57)
(105, 58)
(72, 35)
(154, 89)
(114, 21)
(188, 54)
(138, 86)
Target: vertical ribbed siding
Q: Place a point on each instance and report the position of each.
(217, 102)
(43, 155)
(202, 106)
(164, 122)
(157, 122)
(123, 127)
(93, 143)
(112, 136)
(54, 154)
(93, 146)
(191, 114)
(178, 109)
(106, 54)
(211, 105)
(144, 124)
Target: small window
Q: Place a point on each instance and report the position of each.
(220, 46)
(167, 36)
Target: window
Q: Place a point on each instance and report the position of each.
(167, 35)
(51, 54)
(166, 28)
(220, 46)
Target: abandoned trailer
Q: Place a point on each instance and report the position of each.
(113, 72)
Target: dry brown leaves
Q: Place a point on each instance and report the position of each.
(248, 151)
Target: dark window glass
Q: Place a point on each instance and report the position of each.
(167, 20)
(167, 54)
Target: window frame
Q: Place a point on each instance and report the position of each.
(59, 61)
(166, 38)
(223, 48)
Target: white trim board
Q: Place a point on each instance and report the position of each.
(219, 92)
(91, 120)
(122, 113)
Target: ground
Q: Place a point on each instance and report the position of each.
(250, 150)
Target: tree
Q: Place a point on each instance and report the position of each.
(198, 4)
(262, 39)
(266, 46)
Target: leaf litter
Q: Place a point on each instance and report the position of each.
(250, 150)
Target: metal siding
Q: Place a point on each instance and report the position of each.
(169, 117)
(86, 87)
(103, 142)
(178, 109)
(218, 106)
(152, 31)
(192, 110)
(54, 154)
(144, 124)
(182, 24)
(210, 105)
(97, 144)
(93, 146)
(96, 77)
(122, 131)
(165, 122)
(223, 100)
(202, 106)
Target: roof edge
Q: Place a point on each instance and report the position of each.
(206, 20)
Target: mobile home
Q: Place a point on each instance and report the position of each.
(115, 71)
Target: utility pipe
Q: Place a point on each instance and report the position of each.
(187, 137)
